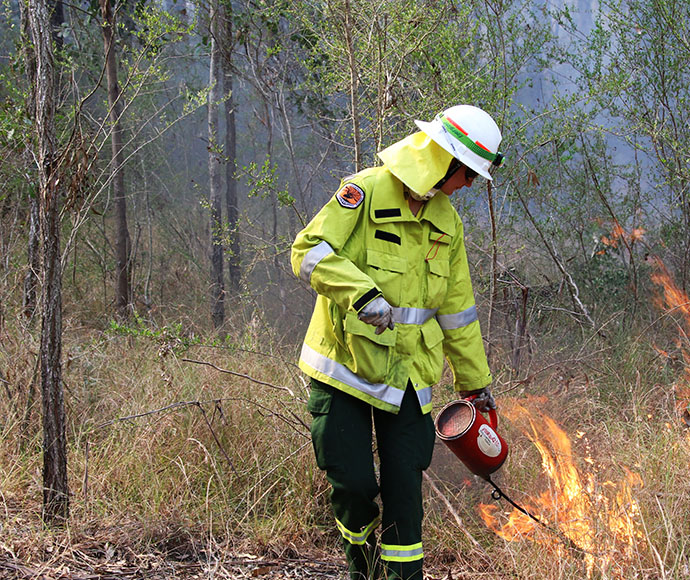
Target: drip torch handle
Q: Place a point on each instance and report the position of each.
(493, 416)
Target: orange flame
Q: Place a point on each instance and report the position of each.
(576, 507)
(676, 301)
(618, 234)
(674, 297)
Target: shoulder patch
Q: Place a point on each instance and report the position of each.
(350, 196)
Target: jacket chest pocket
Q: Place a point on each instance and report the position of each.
(437, 269)
(370, 352)
(387, 271)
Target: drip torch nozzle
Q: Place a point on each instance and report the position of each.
(498, 493)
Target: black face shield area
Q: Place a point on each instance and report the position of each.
(453, 168)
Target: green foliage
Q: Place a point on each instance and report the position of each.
(157, 28)
(15, 126)
(141, 328)
(264, 182)
(634, 72)
(411, 60)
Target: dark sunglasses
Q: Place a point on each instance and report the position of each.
(470, 174)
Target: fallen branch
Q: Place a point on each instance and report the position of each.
(182, 404)
(514, 384)
(573, 290)
(257, 381)
(177, 405)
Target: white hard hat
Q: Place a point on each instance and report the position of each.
(469, 134)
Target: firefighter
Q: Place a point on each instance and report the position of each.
(387, 259)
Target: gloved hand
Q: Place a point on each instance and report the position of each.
(378, 313)
(483, 399)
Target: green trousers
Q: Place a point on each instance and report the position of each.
(342, 430)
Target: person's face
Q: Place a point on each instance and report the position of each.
(458, 180)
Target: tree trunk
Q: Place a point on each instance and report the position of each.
(274, 199)
(33, 259)
(493, 296)
(354, 83)
(33, 249)
(55, 489)
(214, 174)
(57, 19)
(231, 201)
(122, 240)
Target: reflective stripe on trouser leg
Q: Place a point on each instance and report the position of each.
(357, 537)
(342, 438)
(396, 553)
(405, 446)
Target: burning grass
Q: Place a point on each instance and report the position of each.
(182, 463)
(676, 304)
(579, 510)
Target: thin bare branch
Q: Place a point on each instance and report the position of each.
(257, 381)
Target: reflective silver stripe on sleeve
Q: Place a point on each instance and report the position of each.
(457, 320)
(413, 315)
(313, 257)
(394, 553)
(329, 367)
(424, 396)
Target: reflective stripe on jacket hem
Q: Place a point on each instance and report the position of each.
(394, 553)
(339, 372)
(424, 396)
(457, 320)
(412, 315)
(355, 537)
(313, 257)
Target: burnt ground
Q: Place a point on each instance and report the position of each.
(130, 552)
(87, 566)
(95, 564)
(99, 560)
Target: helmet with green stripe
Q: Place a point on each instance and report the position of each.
(469, 134)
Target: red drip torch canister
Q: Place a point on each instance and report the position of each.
(471, 437)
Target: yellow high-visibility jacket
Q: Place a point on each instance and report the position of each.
(366, 242)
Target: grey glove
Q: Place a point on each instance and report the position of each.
(483, 400)
(378, 313)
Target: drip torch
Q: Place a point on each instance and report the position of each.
(475, 441)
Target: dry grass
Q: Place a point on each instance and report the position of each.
(183, 470)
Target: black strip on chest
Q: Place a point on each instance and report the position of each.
(386, 213)
(387, 236)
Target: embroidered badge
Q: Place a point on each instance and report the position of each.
(350, 196)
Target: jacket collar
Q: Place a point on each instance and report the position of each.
(440, 212)
(389, 205)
